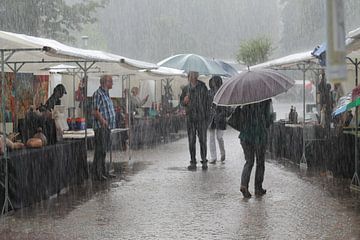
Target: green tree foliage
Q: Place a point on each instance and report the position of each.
(48, 18)
(254, 51)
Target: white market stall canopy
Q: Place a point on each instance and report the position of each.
(290, 61)
(353, 43)
(160, 73)
(38, 53)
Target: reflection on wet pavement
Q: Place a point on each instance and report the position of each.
(155, 197)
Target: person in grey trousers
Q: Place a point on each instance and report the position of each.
(217, 124)
(256, 119)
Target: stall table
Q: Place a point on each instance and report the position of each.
(37, 174)
(118, 136)
(332, 151)
(151, 131)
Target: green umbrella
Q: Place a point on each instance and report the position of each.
(353, 104)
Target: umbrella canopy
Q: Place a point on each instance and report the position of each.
(252, 87)
(193, 62)
(230, 70)
(339, 111)
(342, 105)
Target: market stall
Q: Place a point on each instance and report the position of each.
(326, 148)
(157, 118)
(334, 152)
(22, 53)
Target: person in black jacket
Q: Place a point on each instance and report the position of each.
(257, 119)
(54, 99)
(217, 121)
(194, 98)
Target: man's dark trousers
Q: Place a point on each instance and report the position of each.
(102, 140)
(199, 128)
(250, 151)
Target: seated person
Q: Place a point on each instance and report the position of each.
(34, 120)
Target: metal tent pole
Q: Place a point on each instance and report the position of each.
(303, 162)
(111, 168)
(355, 182)
(7, 201)
(74, 97)
(84, 106)
(129, 115)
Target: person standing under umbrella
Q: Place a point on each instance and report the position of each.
(256, 120)
(217, 121)
(253, 90)
(194, 98)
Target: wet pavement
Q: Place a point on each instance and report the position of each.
(155, 197)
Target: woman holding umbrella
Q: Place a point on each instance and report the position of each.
(253, 90)
(256, 120)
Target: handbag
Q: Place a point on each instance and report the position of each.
(236, 119)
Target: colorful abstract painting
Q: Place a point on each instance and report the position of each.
(22, 92)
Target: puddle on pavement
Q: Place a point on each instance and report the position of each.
(178, 169)
(62, 204)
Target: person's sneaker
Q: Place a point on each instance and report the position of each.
(204, 164)
(110, 175)
(212, 161)
(260, 191)
(245, 192)
(223, 159)
(192, 167)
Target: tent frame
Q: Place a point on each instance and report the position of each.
(7, 201)
(304, 67)
(355, 182)
(5, 60)
(78, 72)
